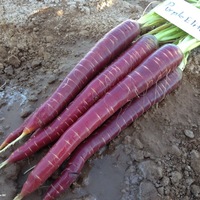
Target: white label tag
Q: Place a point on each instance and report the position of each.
(182, 14)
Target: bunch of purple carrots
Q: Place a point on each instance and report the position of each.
(118, 80)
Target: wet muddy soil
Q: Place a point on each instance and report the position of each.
(157, 157)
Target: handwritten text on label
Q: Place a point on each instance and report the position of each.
(182, 14)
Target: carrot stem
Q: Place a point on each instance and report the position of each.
(160, 28)
(192, 1)
(188, 43)
(168, 32)
(151, 19)
(195, 3)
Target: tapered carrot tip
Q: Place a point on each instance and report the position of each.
(3, 145)
(27, 131)
(3, 164)
(13, 142)
(18, 197)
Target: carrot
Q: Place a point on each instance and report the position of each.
(128, 61)
(103, 53)
(106, 50)
(109, 77)
(155, 67)
(111, 129)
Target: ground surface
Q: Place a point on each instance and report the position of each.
(157, 157)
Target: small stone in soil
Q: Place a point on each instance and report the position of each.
(52, 79)
(32, 97)
(165, 181)
(189, 133)
(161, 190)
(195, 189)
(36, 63)
(7, 126)
(2, 119)
(176, 151)
(14, 61)
(3, 53)
(195, 161)
(86, 181)
(9, 70)
(189, 181)
(138, 155)
(150, 170)
(148, 191)
(167, 190)
(138, 144)
(176, 177)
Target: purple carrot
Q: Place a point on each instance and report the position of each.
(108, 48)
(127, 62)
(111, 129)
(149, 72)
(103, 53)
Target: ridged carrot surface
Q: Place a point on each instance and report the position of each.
(127, 62)
(102, 54)
(107, 49)
(111, 129)
(148, 73)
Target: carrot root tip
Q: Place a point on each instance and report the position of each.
(18, 197)
(3, 145)
(13, 142)
(3, 164)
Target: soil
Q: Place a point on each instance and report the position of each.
(157, 157)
